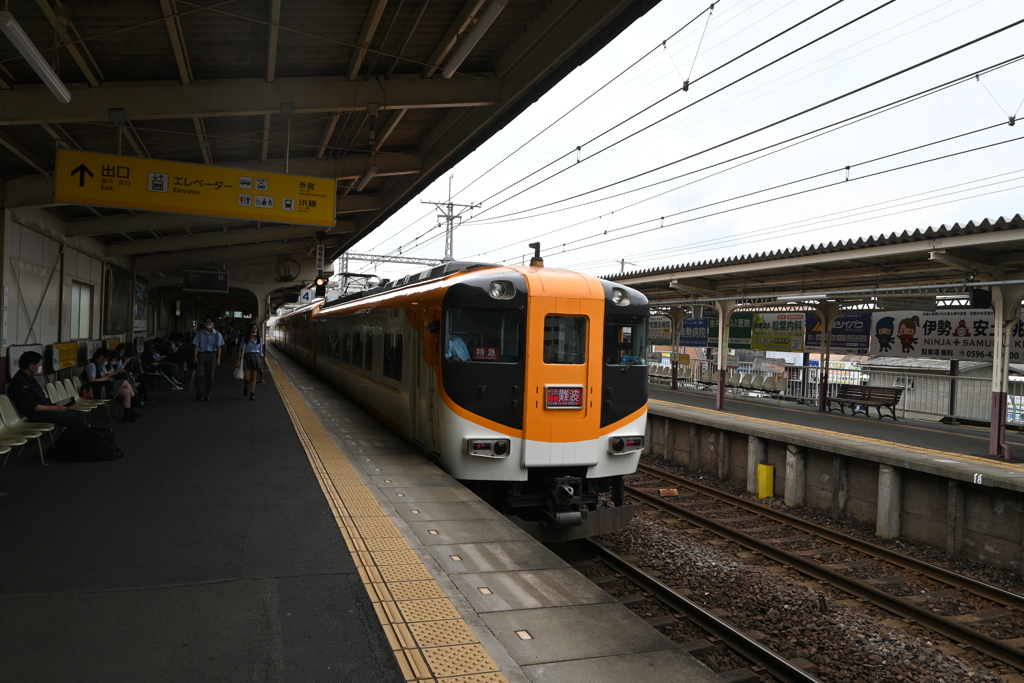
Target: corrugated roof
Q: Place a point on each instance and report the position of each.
(971, 228)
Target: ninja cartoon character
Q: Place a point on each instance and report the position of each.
(883, 333)
(908, 328)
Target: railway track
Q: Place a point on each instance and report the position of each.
(863, 570)
(736, 640)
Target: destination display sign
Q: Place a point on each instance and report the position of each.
(563, 396)
(178, 187)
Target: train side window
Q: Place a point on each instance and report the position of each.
(625, 340)
(565, 339)
(369, 351)
(484, 335)
(393, 356)
(357, 349)
(346, 347)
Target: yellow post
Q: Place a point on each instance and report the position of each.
(765, 481)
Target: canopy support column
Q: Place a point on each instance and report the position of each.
(828, 311)
(725, 309)
(1006, 301)
(676, 315)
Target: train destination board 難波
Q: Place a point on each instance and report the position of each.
(177, 187)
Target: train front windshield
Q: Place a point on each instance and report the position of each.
(625, 341)
(485, 335)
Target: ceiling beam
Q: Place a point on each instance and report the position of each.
(365, 36)
(22, 153)
(228, 254)
(32, 105)
(204, 142)
(451, 36)
(143, 222)
(177, 40)
(64, 28)
(275, 21)
(357, 203)
(213, 239)
(389, 128)
(325, 137)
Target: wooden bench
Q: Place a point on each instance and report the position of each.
(861, 399)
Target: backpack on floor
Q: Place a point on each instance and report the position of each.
(89, 445)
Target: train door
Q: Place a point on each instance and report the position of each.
(424, 388)
(563, 376)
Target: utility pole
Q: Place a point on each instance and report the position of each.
(447, 211)
(623, 263)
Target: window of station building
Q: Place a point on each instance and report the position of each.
(81, 310)
(565, 339)
(357, 349)
(485, 335)
(393, 356)
(368, 364)
(625, 340)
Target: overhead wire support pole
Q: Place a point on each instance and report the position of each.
(447, 211)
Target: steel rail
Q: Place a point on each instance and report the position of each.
(777, 665)
(982, 590)
(896, 605)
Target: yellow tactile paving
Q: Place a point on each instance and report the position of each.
(853, 437)
(430, 640)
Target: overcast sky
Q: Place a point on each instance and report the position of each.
(595, 237)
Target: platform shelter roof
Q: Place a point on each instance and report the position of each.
(945, 261)
(362, 83)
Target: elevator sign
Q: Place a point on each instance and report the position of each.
(177, 187)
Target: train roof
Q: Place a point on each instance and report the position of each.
(435, 273)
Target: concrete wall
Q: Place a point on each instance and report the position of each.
(982, 523)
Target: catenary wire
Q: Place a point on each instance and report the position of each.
(756, 130)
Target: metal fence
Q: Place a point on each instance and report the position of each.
(924, 395)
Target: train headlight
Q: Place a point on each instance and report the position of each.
(501, 289)
(619, 445)
(489, 448)
(620, 298)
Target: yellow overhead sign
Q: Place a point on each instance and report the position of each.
(178, 187)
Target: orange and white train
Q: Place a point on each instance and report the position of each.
(527, 384)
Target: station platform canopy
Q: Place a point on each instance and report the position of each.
(948, 260)
(977, 264)
(378, 97)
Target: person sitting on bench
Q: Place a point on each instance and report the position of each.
(99, 382)
(32, 402)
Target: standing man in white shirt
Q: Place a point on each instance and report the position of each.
(207, 346)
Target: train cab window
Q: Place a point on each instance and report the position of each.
(565, 339)
(625, 340)
(485, 335)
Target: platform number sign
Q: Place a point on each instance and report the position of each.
(319, 258)
(306, 296)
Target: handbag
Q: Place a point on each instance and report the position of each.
(239, 373)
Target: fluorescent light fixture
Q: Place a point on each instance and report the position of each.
(35, 59)
(478, 31)
(365, 178)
